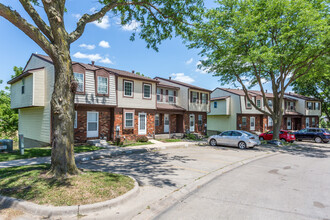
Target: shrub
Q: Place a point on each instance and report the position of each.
(191, 137)
(142, 139)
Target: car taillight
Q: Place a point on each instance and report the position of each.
(326, 133)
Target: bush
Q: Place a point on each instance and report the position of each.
(191, 137)
(142, 139)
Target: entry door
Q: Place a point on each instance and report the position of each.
(289, 123)
(166, 123)
(307, 122)
(192, 122)
(252, 123)
(142, 123)
(92, 124)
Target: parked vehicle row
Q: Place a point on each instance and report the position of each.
(319, 135)
(284, 136)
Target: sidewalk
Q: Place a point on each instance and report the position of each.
(110, 151)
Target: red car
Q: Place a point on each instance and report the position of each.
(284, 136)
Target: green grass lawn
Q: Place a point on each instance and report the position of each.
(171, 140)
(133, 143)
(41, 152)
(32, 183)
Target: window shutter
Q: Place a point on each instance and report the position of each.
(166, 95)
(207, 98)
(191, 96)
(201, 98)
(161, 95)
(174, 96)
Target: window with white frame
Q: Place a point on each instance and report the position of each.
(157, 120)
(204, 99)
(200, 120)
(244, 121)
(170, 96)
(147, 91)
(102, 85)
(215, 105)
(75, 119)
(129, 119)
(248, 104)
(258, 103)
(310, 105)
(159, 95)
(270, 121)
(270, 103)
(317, 106)
(128, 88)
(79, 77)
(194, 97)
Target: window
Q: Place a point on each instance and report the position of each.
(204, 98)
(129, 119)
(75, 119)
(194, 97)
(170, 96)
(317, 106)
(248, 104)
(79, 77)
(159, 95)
(270, 121)
(226, 133)
(102, 85)
(291, 105)
(236, 134)
(313, 122)
(270, 103)
(200, 120)
(215, 104)
(23, 86)
(147, 91)
(157, 120)
(309, 105)
(128, 88)
(258, 103)
(244, 121)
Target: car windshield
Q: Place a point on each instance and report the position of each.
(247, 133)
(326, 130)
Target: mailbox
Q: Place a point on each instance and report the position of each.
(6, 145)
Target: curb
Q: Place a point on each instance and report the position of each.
(50, 211)
(183, 192)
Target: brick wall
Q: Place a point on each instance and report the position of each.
(259, 122)
(132, 133)
(198, 129)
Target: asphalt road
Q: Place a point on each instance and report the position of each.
(292, 185)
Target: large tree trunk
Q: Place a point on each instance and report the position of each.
(62, 108)
(277, 117)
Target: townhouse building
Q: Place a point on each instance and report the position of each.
(109, 103)
(230, 109)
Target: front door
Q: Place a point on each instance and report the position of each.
(142, 123)
(288, 122)
(192, 122)
(166, 123)
(92, 124)
(252, 123)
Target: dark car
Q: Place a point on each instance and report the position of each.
(316, 134)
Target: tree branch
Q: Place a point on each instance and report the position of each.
(37, 19)
(31, 31)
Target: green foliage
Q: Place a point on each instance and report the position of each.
(191, 137)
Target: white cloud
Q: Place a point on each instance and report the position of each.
(104, 44)
(189, 61)
(106, 60)
(87, 46)
(202, 70)
(93, 10)
(134, 25)
(104, 23)
(94, 57)
(183, 78)
(77, 16)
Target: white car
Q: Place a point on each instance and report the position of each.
(235, 138)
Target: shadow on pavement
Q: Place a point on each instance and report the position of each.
(152, 167)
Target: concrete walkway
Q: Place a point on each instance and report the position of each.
(110, 151)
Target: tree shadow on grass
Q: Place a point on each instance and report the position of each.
(152, 168)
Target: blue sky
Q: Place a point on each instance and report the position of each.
(108, 44)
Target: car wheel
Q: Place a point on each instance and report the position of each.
(242, 145)
(213, 142)
(282, 139)
(261, 139)
(318, 140)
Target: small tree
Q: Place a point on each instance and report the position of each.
(252, 42)
(159, 19)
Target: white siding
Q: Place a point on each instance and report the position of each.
(137, 101)
(39, 88)
(91, 98)
(19, 100)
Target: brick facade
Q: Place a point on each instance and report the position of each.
(259, 122)
(201, 129)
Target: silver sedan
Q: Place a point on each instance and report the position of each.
(235, 138)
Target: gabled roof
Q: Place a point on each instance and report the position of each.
(95, 67)
(165, 85)
(295, 95)
(251, 92)
(26, 73)
(219, 98)
(183, 84)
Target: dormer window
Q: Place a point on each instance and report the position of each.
(204, 98)
(270, 103)
(248, 104)
(147, 91)
(171, 96)
(258, 103)
(102, 85)
(23, 86)
(128, 88)
(79, 77)
(194, 97)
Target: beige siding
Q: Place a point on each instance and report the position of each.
(183, 94)
(34, 123)
(39, 88)
(223, 107)
(220, 123)
(199, 107)
(137, 101)
(313, 112)
(19, 100)
(91, 98)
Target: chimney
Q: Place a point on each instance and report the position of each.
(93, 62)
(169, 78)
(133, 71)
